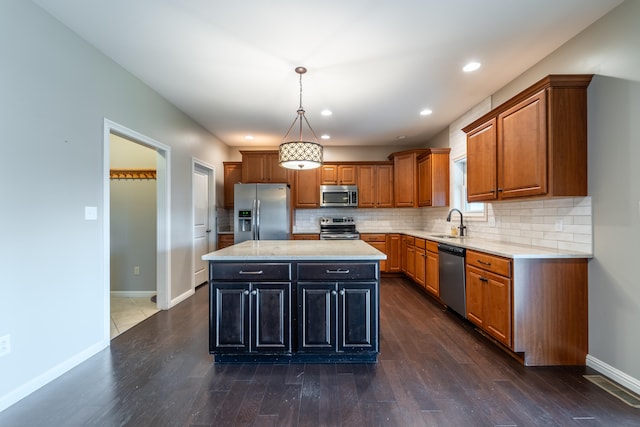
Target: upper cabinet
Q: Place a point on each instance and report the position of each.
(263, 166)
(338, 174)
(232, 175)
(421, 177)
(375, 185)
(433, 177)
(534, 145)
(306, 188)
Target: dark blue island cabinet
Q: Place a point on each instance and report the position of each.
(298, 311)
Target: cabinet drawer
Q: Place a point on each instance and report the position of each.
(251, 272)
(432, 246)
(420, 243)
(371, 237)
(409, 240)
(493, 263)
(337, 271)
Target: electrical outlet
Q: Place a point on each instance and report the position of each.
(5, 345)
(136, 270)
(559, 224)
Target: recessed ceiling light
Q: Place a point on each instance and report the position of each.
(471, 66)
(400, 137)
(325, 136)
(426, 112)
(326, 112)
(248, 137)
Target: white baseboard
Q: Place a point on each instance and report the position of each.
(616, 375)
(180, 298)
(133, 294)
(41, 380)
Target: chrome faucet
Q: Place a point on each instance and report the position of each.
(462, 227)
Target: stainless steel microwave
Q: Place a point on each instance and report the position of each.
(338, 196)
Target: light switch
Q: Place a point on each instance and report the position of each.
(90, 213)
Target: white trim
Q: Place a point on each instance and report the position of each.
(616, 375)
(133, 294)
(177, 300)
(163, 179)
(212, 213)
(29, 387)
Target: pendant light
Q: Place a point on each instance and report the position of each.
(300, 154)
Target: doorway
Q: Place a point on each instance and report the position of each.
(136, 240)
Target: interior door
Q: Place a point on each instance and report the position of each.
(201, 223)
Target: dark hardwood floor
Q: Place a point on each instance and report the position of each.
(434, 370)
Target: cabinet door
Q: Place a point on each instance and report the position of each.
(432, 277)
(405, 193)
(307, 188)
(357, 318)
(367, 186)
(393, 253)
(384, 186)
(482, 181)
(424, 182)
(522, 149)
(229, 305)
(329, 174)
(474, 286)
(254, 167)
(411, 261)
(232, 175)
(497, 311)
(276, 173)
(271, 317)
(420, 266)
(347, 175)
(317, 317)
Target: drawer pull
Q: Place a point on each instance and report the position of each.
(484, 279)
(338, 271)
(483, 262)
(251, 272)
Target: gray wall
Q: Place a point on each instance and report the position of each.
(56, 91)
(608, 48)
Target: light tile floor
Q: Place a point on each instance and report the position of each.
(127, 312)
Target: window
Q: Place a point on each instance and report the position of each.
(459, 200)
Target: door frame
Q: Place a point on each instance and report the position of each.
(163, 252)
(213, 239)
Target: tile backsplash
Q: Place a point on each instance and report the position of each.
(562, 223)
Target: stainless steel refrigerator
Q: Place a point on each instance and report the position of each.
(261, 212)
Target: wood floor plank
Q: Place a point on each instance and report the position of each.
(435, 369)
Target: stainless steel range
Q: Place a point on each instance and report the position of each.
(338, 228)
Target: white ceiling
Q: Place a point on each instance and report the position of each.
(376, 64)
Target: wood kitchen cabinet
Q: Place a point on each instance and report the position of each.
(232, 175)
(306, 188)
(420, 262)
(378, 241)
(405, 178)
(225, 240)
(338, 174)
(488, 293)
(263, 167)
(375, 185)
(305, 236)
(433, 177)
(432, 280)
(393, 252)
(409, 256)
(534, 145)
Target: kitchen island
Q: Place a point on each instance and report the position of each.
(294, 301)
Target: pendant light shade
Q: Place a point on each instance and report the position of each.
(298, 153)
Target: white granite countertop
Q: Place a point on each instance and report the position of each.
(297, 250)
(509, 250)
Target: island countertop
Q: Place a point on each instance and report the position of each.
(297, 250)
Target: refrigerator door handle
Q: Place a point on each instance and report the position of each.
(253, 220)
(258, 221)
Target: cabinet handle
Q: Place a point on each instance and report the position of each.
(334, 293)
(484, 279)
(246, 292)
(499, 190)
(484, 262)
(342, 292)
(250, 272)
(338, 271)
(254, 292)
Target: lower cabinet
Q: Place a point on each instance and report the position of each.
(433, 274)
(298, 311)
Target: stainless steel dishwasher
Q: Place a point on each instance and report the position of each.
(452, 277)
